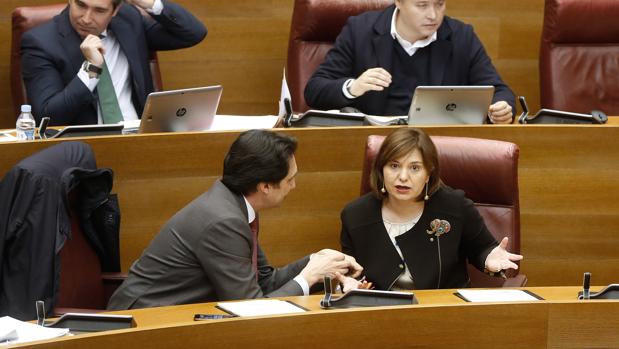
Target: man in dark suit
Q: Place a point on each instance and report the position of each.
(209, 250)
(379, 59)
(63, 60)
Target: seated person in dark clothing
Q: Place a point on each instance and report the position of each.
(90, 64)
(379, 59)
(412, 231)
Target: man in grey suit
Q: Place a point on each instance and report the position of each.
(209, 250)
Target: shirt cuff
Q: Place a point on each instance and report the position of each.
(90, 83)
(303, 283)
(157, 8)
(345, 88)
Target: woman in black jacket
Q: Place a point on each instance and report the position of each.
(412, 231)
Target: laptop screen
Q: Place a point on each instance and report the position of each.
(191, 109)
(455, 105)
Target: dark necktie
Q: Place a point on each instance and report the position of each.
(110, 110)
(254, 226)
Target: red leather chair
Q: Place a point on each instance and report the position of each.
(39, 198)
(314, 28)
(487, 171)
(579, 56)
(84, 287)
(26, 18)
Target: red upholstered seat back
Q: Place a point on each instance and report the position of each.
(314, 28)
(579, 56)
(487, 171)
(26, 18)
(80, 270)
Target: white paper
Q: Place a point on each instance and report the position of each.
(497, 295)
(384, 120)
(131, 123)
(285, 93)
(27, 332)
(260, 307)
(238, 122)
(7, 137)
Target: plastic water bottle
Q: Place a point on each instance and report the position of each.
(25, 125)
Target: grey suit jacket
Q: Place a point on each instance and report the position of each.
(203, 254)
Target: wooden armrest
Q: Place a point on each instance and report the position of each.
(111, 281)
(113, 278)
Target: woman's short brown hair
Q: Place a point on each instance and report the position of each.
(399, 143)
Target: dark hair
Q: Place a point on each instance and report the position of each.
(257, 156)
(399, 143)
(116, 3)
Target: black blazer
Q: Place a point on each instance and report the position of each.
(457, 58)
(51, 59)
(440, 263)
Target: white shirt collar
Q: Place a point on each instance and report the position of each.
(409, 47)
(251, 214)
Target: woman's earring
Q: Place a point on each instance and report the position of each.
(426, 198)
(383, 190)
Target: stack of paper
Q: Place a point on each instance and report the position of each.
(243, 122)
(7, 137)
(14, 331)
(497, 295)
(260, 307)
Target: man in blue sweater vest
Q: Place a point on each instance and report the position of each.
(380, 57)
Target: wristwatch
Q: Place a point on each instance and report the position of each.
(92, 70)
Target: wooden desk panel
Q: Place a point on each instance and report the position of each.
(568, 176)
(441, 320)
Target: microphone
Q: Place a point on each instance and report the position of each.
(40, 306)
(325, 302)
(289, 113)
(586, 283)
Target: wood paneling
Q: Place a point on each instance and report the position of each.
(245, 50)
(568, 177)
(440, 320)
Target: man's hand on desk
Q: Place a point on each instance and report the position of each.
(500, 113)
(328, 263)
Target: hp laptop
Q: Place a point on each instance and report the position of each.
(455, 105)
(191, 109)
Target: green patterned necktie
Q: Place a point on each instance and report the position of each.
(110, 110)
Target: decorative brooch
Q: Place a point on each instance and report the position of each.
(438, 227)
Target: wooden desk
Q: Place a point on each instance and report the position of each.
(568, 176)
(441, 320)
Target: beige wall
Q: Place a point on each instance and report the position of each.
(245, 49)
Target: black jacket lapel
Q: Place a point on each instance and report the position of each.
(440, 54)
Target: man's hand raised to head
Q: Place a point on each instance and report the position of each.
(92, 49)
(145, 4)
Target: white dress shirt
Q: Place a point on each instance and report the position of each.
(118, 66)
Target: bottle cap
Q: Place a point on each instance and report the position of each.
(26, 108)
